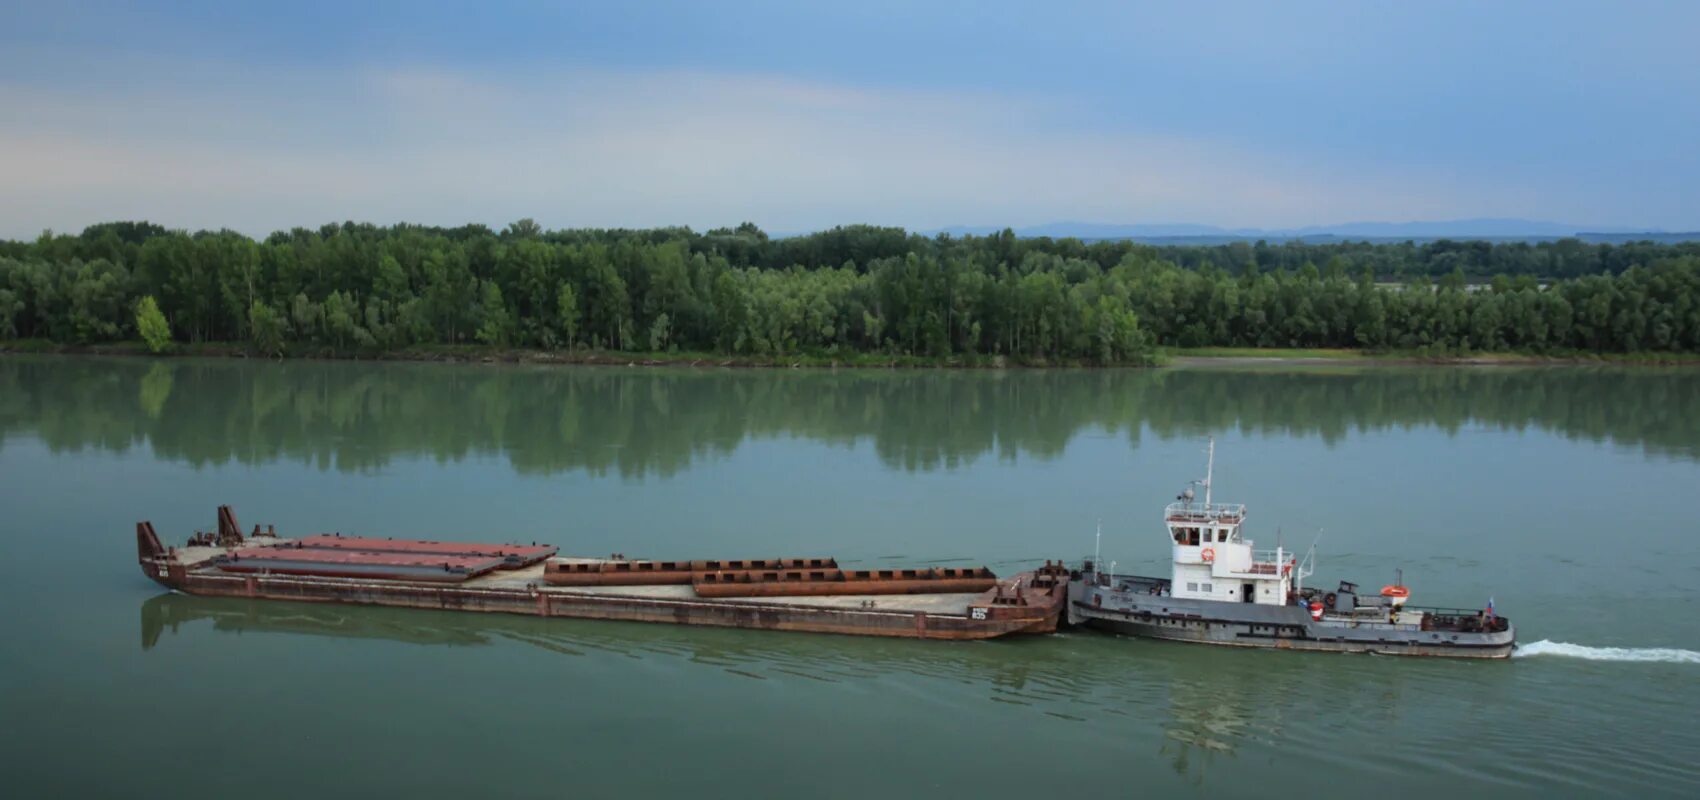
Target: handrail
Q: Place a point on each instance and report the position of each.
(1449, 612)
(1372, 624)
(1205, 512)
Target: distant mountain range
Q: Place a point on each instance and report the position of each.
(1484, 228)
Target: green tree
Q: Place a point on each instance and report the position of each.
(493, 322)
(341, 323)
(566, 310)
(658, 334)
(152, 325)
(96, 295)
(608, 307)
(10, 308)
(267, 328)
(305, 316)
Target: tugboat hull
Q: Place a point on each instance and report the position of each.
(1242, 635)
(1272, 627)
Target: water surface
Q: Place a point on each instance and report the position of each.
(1563, 493)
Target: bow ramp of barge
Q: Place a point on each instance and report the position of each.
(810, 595)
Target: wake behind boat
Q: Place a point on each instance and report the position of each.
(1224, 591)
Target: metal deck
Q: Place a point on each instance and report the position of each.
(529, 578)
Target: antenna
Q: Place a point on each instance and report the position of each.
(1098, 546)
(1307, 567)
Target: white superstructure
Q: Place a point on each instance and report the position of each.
(1212, 558)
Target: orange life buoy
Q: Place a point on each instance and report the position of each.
(1315, 610)
(1395, 591)
(1208, 554)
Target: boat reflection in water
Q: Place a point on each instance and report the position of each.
(1008, 670)
(1115, 699)
(168, 612)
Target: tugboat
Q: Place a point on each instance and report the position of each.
(1224, 591)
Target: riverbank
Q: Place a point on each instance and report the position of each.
(461, 354)
(1219, 356)
(1180, 357)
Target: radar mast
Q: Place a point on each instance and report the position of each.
(1209, 469)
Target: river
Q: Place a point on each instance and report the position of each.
(1566, 494)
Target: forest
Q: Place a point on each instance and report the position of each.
(356, 288)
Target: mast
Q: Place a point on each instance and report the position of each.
(1209, 470)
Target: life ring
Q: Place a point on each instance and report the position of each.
(1395, 591)
(1208, 554)
(1316, 610)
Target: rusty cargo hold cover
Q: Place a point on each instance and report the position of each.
(625, 572)
(568, 572)
(289, 560)
(514, 555)
(793, 583)
(765, 563)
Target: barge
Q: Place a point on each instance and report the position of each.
(1223, 591)
(812, 594)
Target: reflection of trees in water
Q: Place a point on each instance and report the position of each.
(636, 422)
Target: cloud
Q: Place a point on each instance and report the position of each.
(260, 150)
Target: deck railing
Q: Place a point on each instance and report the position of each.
(1202, 512)
(1439, 620)
(1269, 562)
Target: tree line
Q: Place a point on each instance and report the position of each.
(851, 290)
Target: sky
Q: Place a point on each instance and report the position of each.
(804, 115)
